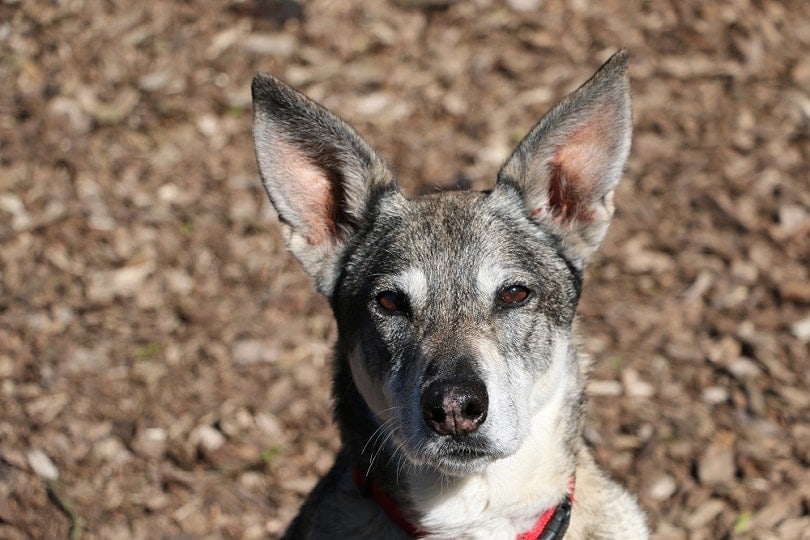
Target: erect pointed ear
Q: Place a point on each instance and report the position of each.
(569, 164)
(321, 176)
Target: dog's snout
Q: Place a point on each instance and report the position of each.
(455, 407)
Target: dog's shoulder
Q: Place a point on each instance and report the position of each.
(336, 508)
(603, 509)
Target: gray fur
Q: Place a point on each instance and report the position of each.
(450, 256)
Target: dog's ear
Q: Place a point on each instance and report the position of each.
(567, 167)
(321, 176)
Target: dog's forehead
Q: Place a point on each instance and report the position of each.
(457, 236)
(447, 228)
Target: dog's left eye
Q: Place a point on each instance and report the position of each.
(393, 302)
(514, 295)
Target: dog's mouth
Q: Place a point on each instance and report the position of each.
(450, 456)
(460, 457)
(466, 453)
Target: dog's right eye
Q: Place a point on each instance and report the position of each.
(393, 302)
(514, 295)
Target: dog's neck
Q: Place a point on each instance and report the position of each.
(508, 495)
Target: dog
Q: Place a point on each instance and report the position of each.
(458, 388)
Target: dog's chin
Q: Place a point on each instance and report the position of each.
(462, 466)
(455, 458)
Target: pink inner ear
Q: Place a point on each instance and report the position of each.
(309, 191)
(570, 189)
(576, 169)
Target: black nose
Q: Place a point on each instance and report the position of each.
(455, 407)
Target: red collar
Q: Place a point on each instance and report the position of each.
(551, 524)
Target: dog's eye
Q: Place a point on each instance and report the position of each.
(393, 302)
(514, 295)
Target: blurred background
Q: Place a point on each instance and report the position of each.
(164, 364)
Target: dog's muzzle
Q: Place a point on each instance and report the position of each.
(455, 407)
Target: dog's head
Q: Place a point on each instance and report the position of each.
(454, 310)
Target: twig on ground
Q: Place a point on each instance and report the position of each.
(66, 505)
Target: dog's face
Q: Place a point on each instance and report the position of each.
(454, 310)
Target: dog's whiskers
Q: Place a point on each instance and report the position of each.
(382, 427)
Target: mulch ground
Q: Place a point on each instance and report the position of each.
(164, 363)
